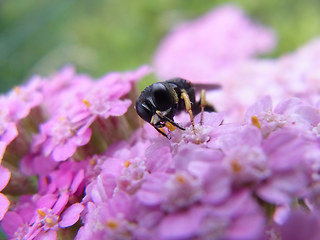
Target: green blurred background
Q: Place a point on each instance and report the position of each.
(98, 36)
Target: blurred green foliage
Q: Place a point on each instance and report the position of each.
(98, 36)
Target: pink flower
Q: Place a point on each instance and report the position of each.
(108, 220)
(122, 167)
(82, 103)
(8, 128)
(55, 206)
(299, 225)
(201, 49)
(104, 99)
(64, 91)
(237, 218)
(293, 75)
(63, 136)
(291, 113)
(186, 180)
(37, 164)
(4, 179)
(23, 98)
(44, 222)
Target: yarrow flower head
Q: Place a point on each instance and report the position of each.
(62, 123)
(76, 163)
(202, 49)
(191, 188)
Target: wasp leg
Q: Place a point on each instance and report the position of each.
(187, 102)
(168, 120)
(203, 103)
(202, 106)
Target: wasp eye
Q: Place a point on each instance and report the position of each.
(143, 112)
(162, 97)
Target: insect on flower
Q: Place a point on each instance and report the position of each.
(161, 101)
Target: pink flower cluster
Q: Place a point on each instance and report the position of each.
(216, 181)
(206, 47)
(49, 128)
(76, 164)
(220, 47)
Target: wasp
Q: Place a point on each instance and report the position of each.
(161, 101)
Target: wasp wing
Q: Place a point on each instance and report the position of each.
(206, 86)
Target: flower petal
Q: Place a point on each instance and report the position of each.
(46, 201)
(11, 222)
(182, 225)
(3, 147)
(5, 175)
(64, 151)
(71, 215)
(77, 180)
(4, 204)
(61, 202)
(49, 235)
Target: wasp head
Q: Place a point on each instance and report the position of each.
(157, 105)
